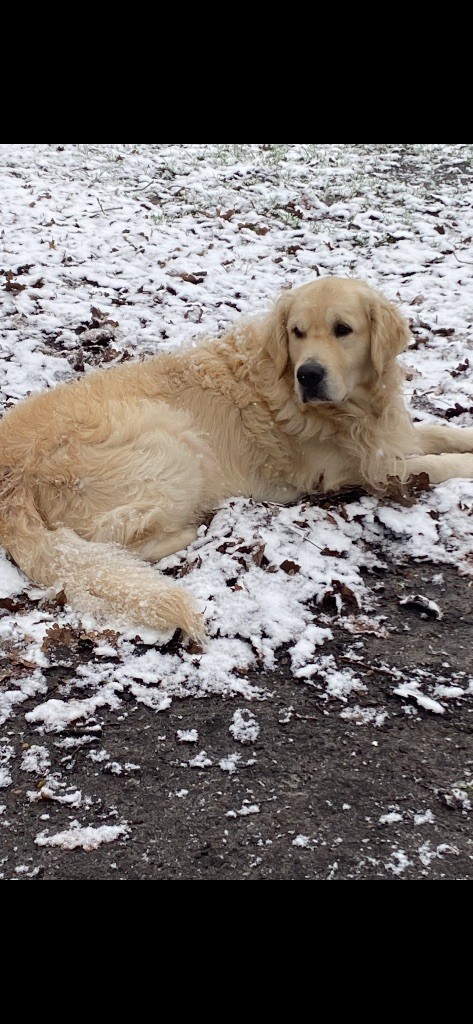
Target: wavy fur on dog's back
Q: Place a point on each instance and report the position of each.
(112, 470)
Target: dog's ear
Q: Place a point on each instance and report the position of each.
(389, 331)
(277, 338)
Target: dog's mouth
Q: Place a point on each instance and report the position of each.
(312, 381)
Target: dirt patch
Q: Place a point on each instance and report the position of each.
(297, 785)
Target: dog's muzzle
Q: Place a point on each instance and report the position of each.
(312, 381)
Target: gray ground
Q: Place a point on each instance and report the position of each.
(322, 797)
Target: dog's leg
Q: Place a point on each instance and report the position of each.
(439, 467)
(434, 440)
(155, 548)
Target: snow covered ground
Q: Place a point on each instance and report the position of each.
(120, 251)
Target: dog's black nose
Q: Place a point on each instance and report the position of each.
(311, 377)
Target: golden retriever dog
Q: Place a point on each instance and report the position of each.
(101, 475)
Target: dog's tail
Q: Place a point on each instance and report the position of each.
(99, 579)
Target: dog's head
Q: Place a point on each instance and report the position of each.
(339, 335)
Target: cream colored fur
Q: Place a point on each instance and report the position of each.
(116, 469)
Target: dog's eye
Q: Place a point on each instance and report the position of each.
(298, 333)
(340, 330)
